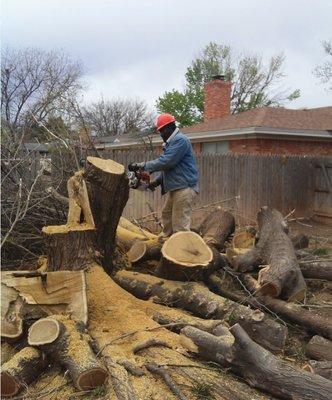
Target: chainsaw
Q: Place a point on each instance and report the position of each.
(138, 179)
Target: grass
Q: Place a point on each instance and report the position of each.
(319, 251)
(203, 391)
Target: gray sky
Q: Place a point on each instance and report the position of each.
(142, 48)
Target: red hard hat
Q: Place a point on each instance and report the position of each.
(164, 119)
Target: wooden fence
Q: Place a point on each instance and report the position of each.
(243, 183)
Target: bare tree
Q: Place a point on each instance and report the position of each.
(118, 117)
(324, 71)
(37, 82)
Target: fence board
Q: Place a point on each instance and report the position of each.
(283, 182)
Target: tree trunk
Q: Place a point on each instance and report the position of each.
(217, 227)
(322, 368)
(197, 299)
(69, 247)
(258, 366)
(316, 270)
(108, 191)
(126, 224)
(282, 276)
(22, 369)
(312, 322)
(319, 348)
(58, 337)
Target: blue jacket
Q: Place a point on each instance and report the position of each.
(177, 165)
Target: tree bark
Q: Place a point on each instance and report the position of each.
(317, 270)
(282, 276)
(319, 348)
(300, 241)
(22, 369)
(322, 368)
(197, 299)
(108, 191)
(217, 227)
(59, 338)
(258, 366)
(312, 322)
(69, 247)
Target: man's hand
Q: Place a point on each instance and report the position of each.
(152, 185)
(133, 167)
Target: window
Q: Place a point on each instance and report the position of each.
(215, 147)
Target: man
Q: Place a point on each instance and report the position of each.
(178, 176)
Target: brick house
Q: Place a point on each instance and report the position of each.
(261, 130)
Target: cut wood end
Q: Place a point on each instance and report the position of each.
(136, 251)
(71, 227)
(243, 240)
(43, 331)
(91, 379)
(9, 385)
(188, 249)
(268, 289)
(109, 166)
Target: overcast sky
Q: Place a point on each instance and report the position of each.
(142, 48)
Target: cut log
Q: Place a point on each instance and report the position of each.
(300, 241)
(7, 352)
(317, 270)
(217, 227)
(309, 320)
(259, 367)
(322, 368)
(69, 247)
(127, 238)
(47, 293)
(185, 257)
(126, 224)
(177, 322)
(244, 239)
(22, 369)
(197, 299)
(58, 337)
(108, 191)
(244, 261)
(144, 251)
(11, 320)
(282, 276)
(319, 348)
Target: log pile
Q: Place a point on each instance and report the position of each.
(225, 296)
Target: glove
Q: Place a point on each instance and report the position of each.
(152, 185)
(133, 167)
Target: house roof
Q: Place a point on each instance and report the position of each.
(314, 119)
(267, 121)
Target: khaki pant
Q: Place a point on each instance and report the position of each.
(176, 213)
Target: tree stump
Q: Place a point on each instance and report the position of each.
(69, 246)
(58, 337)
(185, 257)
(22, 369)
(108, 191)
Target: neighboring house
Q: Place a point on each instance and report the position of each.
(261, 130)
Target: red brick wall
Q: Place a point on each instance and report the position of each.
(280, 146)
(217, 99)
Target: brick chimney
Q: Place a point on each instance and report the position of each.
(217, 94)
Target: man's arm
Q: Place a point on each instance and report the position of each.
(172, 156)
